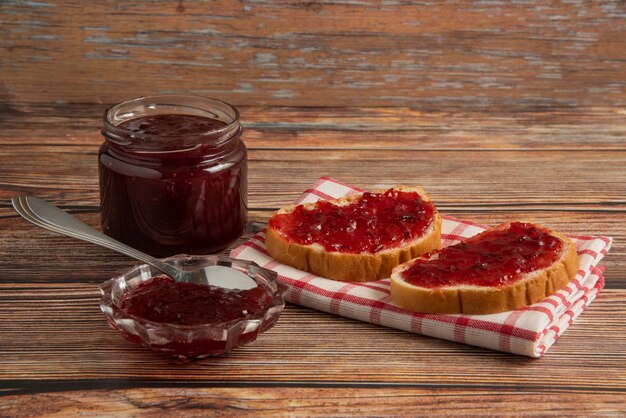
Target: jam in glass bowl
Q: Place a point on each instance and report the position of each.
(187, 320)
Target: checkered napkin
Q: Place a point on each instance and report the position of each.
(528, 331)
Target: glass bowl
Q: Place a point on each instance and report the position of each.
(191, 341)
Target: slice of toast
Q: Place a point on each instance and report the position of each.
(446, 282)
(353, 260)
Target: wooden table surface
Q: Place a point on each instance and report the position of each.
(501, 111)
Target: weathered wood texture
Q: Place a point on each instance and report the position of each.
(456, 179)
(474, 54)
(56, 332)
(353, 128)
(336, 402)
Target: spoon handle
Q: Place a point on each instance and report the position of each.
(45, 215)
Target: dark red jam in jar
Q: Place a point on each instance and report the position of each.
(371, 223)
(492, 258)
(173, 175)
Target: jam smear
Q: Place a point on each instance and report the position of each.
(492, 258)
(371, 223)
(162, 299)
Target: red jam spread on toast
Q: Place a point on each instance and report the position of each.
(162, 299)
(492, 258)
(371, 223)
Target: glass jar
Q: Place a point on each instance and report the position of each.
(173, 175)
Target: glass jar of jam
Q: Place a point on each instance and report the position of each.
(173, 175)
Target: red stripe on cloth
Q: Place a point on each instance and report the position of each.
(579, 286)
(306, 286)
(568, 289)
(459, 229)
(318, 194)
(456, 234)
(271, 264)
(588, 251)
(507, 329)
(341, 294)
(377, 308)
(356, 189)
(259, 236)
(460, 326)
(416, 323)
(600, 283)
(485, 326)
(563, 299)
(256, 247)
(235, 253)
(541, 309)
(296, 291)
(452, 237)
(597, 270)
(320, 181)
(582, 237)
(550, 301)
(370, 302)
(606, 240)
(380, 288)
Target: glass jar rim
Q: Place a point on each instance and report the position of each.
(170, 104)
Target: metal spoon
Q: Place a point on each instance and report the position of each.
(47, 216)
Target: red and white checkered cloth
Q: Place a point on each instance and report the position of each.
(528, 331)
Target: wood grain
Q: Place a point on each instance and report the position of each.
(270, 127)
(539, 180)
(56, 332)
(340, 53)
(337, 402)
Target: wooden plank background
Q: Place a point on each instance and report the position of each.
(432, 55)
(500, 110)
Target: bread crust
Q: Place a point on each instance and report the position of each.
(351, 267)
(480, 300)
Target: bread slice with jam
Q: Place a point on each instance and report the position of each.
(512, 265)
(356, 238)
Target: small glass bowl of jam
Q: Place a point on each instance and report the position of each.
(187, 320)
